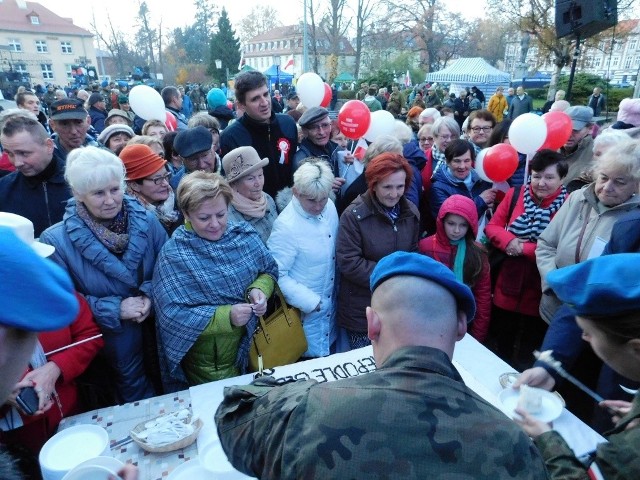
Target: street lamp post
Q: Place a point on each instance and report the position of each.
(276, 62)
(219, 67)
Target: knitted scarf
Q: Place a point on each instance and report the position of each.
(248, 207)
(532, 222)
(114, 236)
(458, 262)
(439, 159)
(165, 211)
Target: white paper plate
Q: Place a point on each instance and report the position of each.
(551, 404)
(90, 472)
(70, 447)
(190, 470)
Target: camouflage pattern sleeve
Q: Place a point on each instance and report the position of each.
(253, 420)
(559, 459)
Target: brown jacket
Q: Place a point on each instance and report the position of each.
(366, 234)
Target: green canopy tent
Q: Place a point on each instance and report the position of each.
(344, 77)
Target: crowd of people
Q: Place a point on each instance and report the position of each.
(175, 241)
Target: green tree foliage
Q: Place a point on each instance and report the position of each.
(196, 38)
(224, 46)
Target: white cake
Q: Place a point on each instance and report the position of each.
(530, 399)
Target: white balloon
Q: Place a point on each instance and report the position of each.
(310, 89)
(479, 165)
(527, 133)
(147, 103)
(382, 123)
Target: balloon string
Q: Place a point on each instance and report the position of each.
(354, 146)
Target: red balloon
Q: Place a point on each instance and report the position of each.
(559, 128)
(170, 122)
(326, 100)
(500, 162)
(354, 119)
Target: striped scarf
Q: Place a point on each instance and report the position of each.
(532, 222)
(439, 160)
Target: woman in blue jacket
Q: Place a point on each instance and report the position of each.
(459, 178)
(108, 243)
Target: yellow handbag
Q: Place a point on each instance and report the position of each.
(279, 338)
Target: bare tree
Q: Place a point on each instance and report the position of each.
(313, 34)
(336, 25)
(364, 11)
(114, 41)
(146, 34)
(259, 20)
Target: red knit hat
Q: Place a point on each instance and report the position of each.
(140, 161)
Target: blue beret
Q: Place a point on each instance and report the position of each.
(418, 265)
(38, 295)
(607, 285)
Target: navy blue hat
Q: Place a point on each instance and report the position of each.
(603, 286)
(193, 140)
(418, 265)
(24, 272)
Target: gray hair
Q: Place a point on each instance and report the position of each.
(625, 157)
(313, 178)
(402, 132)
(608, 138)
(448, 123)
(430, 113)
(382, 144)
(92, 168)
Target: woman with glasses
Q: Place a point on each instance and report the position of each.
(148, 182)
(109, 243)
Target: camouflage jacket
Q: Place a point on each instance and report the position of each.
(413, 418)
(617, 459)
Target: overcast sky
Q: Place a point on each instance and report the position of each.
(178, 14)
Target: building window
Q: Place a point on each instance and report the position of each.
(66, 47)
(35, 20)
(627, 62)
(69, 71)
(633, 44)
(15, 45)
(47, 71)
(20, 67)
(596, 62)
(616, 61)
(618, 45)
(41, 46)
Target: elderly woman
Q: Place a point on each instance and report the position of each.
(250, 203)
(358, 185)
(303, 244)
(459, 177)
(154, 128)
(377, 223)
(514, 229)
(211, 280)
(444, 131)
(148, 181)
(425, 137)
(581, 228)
(108, 243)
(155, 143)
(115, 137)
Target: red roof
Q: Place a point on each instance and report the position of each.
(14, 18)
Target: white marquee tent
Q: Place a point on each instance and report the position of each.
(467, 72)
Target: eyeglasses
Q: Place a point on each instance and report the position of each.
(426, 139)
(445, 137)
(159, 180)
(319, 126)
(481, 129)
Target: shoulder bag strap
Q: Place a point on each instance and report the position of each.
(584, 227)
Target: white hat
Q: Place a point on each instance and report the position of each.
(23, 228)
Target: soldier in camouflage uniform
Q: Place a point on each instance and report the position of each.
(413, 418)
(605, 295)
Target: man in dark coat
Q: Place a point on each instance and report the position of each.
(37, 189)
(274, 136)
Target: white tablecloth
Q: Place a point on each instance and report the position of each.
(478, 366)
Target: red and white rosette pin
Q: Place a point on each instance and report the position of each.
(284, 146)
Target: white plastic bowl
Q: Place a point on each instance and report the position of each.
(69, 448)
